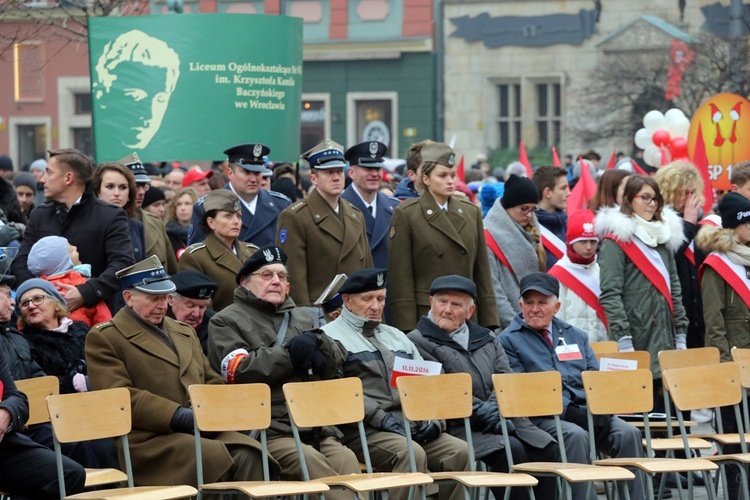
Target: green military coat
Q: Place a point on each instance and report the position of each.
(321, 244)
(426, 243)
(219, 263)
(157, 242)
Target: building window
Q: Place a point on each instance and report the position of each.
(509, 118)
(373, 116)
(32, 143)
(83, 140)
(548, 120)
(28, 68)
(315, 122)
(82, 103)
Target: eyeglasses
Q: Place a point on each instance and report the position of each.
(36, 300)
(526, 210)
(143, 185)
(268, 275)
(647, 199)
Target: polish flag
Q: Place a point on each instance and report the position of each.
(524, 159)
(403, 367)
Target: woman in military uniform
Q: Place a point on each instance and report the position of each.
(221, 255)
(435, 235)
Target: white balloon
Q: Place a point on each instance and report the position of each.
(682, 129)
(642, 138)
(673, 114)
(652, 156)
(678, 125)
(654, 120)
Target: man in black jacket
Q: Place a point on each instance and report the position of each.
(98, 229)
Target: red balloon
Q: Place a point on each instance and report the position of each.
(679, 147)
(661, 138)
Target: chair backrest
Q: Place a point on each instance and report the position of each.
(629, 391)
(90, 415)
(325, 402)
(643, 358)
(604, 347)
(694, 389)
(685, 358)
(236, 407)
(742, 358)
(36, 390)
(536, 394)
(439, 397)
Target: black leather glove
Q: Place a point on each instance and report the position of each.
(392, 424)
(76, 366)
(182, 420)
(602, 424)
(577, 415)
(486, 417)
(301, 349)
(318, 363)
(426, 431)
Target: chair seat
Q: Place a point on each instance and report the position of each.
(659, 465)
(723, 438)
(98, 477)
(675, 443)
(486, 479)
(575, 473)
(730, 457)
(139, 493)
(662, 425)
(377, 480)
(261, 489)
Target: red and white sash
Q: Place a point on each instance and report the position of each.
(650, 263)
(690, 252)
(552, 243)
(732, 273)
(490, 240)
(582, 283)
(711, 220)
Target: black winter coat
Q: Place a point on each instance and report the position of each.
(18, 354)
(60, 354)
(691, 287)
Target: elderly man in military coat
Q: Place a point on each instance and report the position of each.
(157, 359)
(323, 235)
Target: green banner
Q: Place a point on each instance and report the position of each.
(189, 86)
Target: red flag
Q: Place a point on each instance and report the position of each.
(460, 170)
(524, 159)
(555, 158)
(682, 56)
(701, 162)
(612, 160)
(637, 168)
(583, 191)
(665, 156)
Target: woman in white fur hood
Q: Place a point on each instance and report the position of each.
(640, 289)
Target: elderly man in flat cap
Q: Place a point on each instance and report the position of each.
(447, 335)
(157, 359)
(533, 343)
(190, 300)
(371, 351)
(264, 338)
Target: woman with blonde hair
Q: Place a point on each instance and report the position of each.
(179, 214)
(681, 186)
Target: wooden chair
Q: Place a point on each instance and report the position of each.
(95, 415)
(714, 388)
(337, 402)
(604, 347)
(631, 391)
(447, 397)
(240, 407)
(37, 390)
(539, 394)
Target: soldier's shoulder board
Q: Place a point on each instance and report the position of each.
(195, 246)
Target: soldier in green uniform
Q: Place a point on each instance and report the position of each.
(436, 235)
(221, 255)
(323, 235)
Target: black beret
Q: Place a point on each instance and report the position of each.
(367, 154)
(365, 280)
(453, 282)
(194, 285)
(269, 254)
(7, 279)
(540, 282)
(152, 196)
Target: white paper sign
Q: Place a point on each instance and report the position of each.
(616, 365)
(409, 367)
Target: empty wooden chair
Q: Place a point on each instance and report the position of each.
(604, 347)
(95, 415)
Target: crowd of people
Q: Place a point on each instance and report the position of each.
(156, 278)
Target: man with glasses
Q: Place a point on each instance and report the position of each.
(264, 338)
(98, 229)
(260, 208)
(155, 232)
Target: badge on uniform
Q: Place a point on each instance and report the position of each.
(282, 236)
(568, 352)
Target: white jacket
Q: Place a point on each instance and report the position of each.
(578, 313)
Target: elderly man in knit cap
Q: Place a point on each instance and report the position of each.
(157, 359)
(190, 300)
(447, 335)
(372, 348)
(264, 338)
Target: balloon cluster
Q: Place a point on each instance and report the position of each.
(664, 136)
